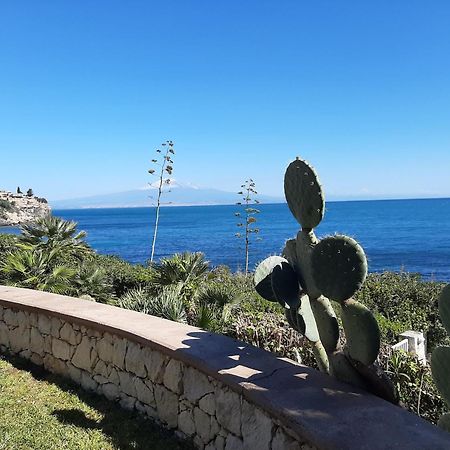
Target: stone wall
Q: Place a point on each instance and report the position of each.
(221, 393)
(140, 378)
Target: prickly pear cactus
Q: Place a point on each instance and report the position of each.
(309, 274)
(440, 359)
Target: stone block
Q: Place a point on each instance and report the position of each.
(256, 428)
(68, 334)
(196, 385)
(203, 425)
(155, 363)
(24, 319)
(234, 443)
(281, 441)
(36, 341)
(228, 410)
(55, 365)
(10, 318)
(144, 392)
(105, 349)
(166, 405)
(208, 404)
(87, 382)
(127, 383)
(44, 324)
(119, 350)
(19, 339)
(61, 349)
(4, 334)
(84, 357)
(127, 402)
(35, 358)
(173, 376)
(110, 391)
(133, 360)
(186, 423)
(74, 373)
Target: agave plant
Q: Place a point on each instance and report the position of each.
(185, 270)
(52, 233)
(166, 304)
(35, 269)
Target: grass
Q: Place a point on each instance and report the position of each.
(39, 410)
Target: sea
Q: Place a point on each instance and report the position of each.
(397, 235)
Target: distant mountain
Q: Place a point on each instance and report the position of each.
(180, 195)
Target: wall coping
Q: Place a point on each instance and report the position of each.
(328, 413)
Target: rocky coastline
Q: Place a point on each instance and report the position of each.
(17, 209)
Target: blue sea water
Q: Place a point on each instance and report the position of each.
(408, 235)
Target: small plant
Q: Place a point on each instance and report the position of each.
(162, 169)
(247, 219)
(440, 359)
(18, 190)
(310, 273)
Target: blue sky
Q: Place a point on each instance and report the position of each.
(361, 89)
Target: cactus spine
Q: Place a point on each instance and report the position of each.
(440, 358)
(309, 274)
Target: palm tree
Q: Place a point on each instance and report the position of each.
(52, 233)
(36, 269)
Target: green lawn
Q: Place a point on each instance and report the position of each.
(39, 410)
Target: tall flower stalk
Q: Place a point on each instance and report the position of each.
(247, 217)
(162, 169)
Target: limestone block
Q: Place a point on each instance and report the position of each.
(133, 360)
(55, 325)
(68, 334)
(281, 441)
(196, 385)
(33, 319)
(35, 358)
(166, 405)
(2, 310)
(114, 377)
(155, 363)
(234, 443)
(144, 392)
(10, 318)
(61, 349)
(23, 318)
(208, 404)
(186, 423)
(127, 402)
(47, 343)
(219, 443)
(19, 339)
(203, 425)
(87, 382)
(228, 410)
(54, 365)
(74, 373)
(4, 334)
(101, 369)
(84, 357)
(26, 354)
(127, 383)
(198, 443)
(256, 428)
(119, 350)
(36, 341)
(100, 379)
(173, 376)
(105, 349)
(44, 324)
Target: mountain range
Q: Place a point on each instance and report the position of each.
(180, 195)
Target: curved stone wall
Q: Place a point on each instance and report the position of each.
(220, 392)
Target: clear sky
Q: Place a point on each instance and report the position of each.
(88, 89)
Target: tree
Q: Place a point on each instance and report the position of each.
(18, 190)
(30, 192)
(163, 168)
(247, 217)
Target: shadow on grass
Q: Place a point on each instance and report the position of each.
(125, 429)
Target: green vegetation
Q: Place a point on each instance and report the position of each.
(43, 411)
(185, 288)
(6, 206)
(312, 273)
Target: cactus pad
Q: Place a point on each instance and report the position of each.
(304, 193)
(285, 284)
(339, 267)
(444, 307)
(361, 331)
(263, 277)
(440, 368)
(302, 320)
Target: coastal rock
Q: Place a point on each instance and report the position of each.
(16, 209)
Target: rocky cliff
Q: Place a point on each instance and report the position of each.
(16, 209)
